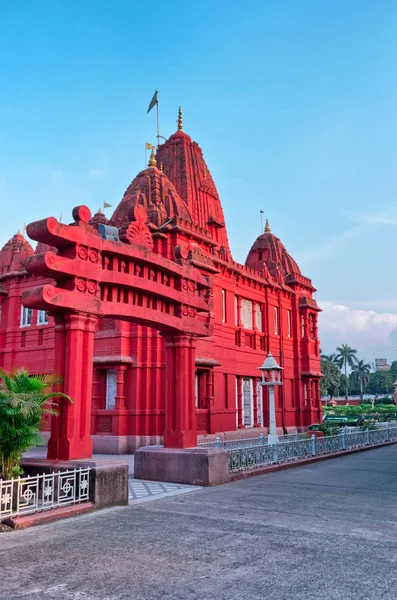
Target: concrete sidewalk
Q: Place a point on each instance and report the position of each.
(327, 530)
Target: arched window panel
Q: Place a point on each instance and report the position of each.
(246, 313)
(258, 317)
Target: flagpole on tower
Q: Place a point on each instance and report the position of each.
(262, 213)
(155, 102)
(158, 124)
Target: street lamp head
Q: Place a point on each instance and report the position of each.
(270, 364)
(272, 369)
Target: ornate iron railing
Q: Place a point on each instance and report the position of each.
(27, 495)
(261, 454)
(258, 440)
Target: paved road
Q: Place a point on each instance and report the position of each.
(325, 531)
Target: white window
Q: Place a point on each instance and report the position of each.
(260, 404)
(289, 323)
(246, 313)
(248, 399)
(26, 316)
(42, 317)
(258, 317)
(223, 306)
(196, 388)
(111, 389)
(276, 320)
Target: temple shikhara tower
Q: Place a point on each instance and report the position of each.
(156, 330)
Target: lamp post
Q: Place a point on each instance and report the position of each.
(271, 372)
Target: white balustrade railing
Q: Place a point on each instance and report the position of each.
(27, 495)
(262, 454)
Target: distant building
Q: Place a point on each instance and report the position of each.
(381, 364)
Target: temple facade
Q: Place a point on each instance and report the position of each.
(265, 305)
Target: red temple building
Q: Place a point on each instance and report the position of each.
(265, 305)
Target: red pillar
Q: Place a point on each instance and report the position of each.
(180, 411)
(74, 350)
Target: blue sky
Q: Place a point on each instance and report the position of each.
(293, 102)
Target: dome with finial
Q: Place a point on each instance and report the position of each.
(152, 160)
(14, 254)
(269, 250)
(42, 248)
(97, 219)
(155, 192)
(184, 164)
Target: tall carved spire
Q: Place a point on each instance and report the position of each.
(180, 119)
(267, 227)
(152, 159)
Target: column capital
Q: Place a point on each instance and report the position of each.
(183, 340)
(81, 321)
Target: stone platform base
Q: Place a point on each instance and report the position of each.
(194, 466)
(122, 444)
(108, 478)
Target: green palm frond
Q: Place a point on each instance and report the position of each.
(24, 400)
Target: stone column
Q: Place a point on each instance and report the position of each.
(272, 437)
(240, 424)
(74, 351)
(180, 411)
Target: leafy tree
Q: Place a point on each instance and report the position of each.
(330, 382)
(360, 374)
(346, 357)
(393, 370)
(344, 381)
(381, 382)
(24, 400)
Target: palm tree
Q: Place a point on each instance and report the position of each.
(24, 400)
(346, 357)
(360, 374)
(330, 358)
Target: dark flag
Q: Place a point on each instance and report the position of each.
(153, 101)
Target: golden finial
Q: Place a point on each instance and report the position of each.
(267, 227)
(180, 119)
(99, 212)
(161, 167)
(152, 160)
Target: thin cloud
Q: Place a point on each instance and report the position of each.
(336, 244)
(371, 332)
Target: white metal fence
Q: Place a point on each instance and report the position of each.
(27, 495)
(263, 454)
